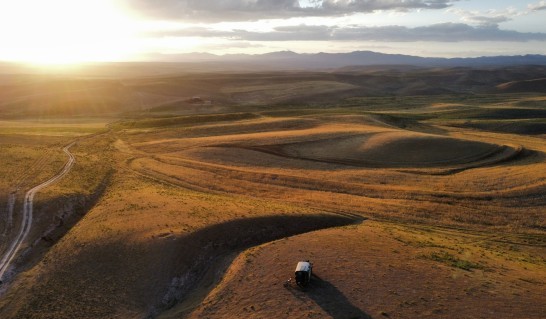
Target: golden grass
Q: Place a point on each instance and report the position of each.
(380, 269)
(30, 150)
(132, 238)
(467, 196)
(26, 161)
(448, 241)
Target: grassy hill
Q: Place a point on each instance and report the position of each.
(195, 196)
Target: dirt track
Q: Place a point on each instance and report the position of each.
(26, 223)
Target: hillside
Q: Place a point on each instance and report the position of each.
(43, 95)
(535, 85)
(414, 191)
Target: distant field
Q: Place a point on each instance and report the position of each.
(35, 144)
(260, 94)
(409, 205)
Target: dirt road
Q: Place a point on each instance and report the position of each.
(26, 223)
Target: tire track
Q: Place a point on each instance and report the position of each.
(32, 171)
(26, 223)
(9, 212)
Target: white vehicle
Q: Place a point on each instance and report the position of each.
(303, 273)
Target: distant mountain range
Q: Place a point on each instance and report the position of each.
(292, 60)
(358, 61)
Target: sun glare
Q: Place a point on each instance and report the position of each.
(63, 31)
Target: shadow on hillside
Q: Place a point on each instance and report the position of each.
(157, 273)
(333, 301)
(205, 248)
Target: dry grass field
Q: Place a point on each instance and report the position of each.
(32, 153)
(417, 206)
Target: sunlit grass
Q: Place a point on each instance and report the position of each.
(62, 128)
(159, 181)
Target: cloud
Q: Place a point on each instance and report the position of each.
(488, 21)
(251, 10)
(237, 45)
(443, 32)
(538, 6)
(488, 18)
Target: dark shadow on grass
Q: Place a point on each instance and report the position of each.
(331, 300)
(150, 276)
(208, 247)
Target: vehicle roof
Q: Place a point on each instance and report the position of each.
(303, 266)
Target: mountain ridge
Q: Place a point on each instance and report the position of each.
(322, 60)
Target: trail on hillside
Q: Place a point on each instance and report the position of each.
(26, 223)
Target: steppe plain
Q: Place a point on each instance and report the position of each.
(415, 193)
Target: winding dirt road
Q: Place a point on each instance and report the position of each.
(26, 223)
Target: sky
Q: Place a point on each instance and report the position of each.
(72, 31)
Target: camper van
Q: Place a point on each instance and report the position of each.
(303, 273)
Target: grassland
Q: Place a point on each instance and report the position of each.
(409, 206)
(31, 154)
(376, 270)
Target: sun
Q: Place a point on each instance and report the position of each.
(64, 31)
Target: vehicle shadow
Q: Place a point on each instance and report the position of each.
(331, 300)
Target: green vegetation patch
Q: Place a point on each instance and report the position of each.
(450, 260)
(291, 88)
(184, 120)
(529, 127)
(495, 114)
(532, 103)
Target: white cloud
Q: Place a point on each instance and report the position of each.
(489, 17)
(537, 6)
(443, 32)
(252, 10)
